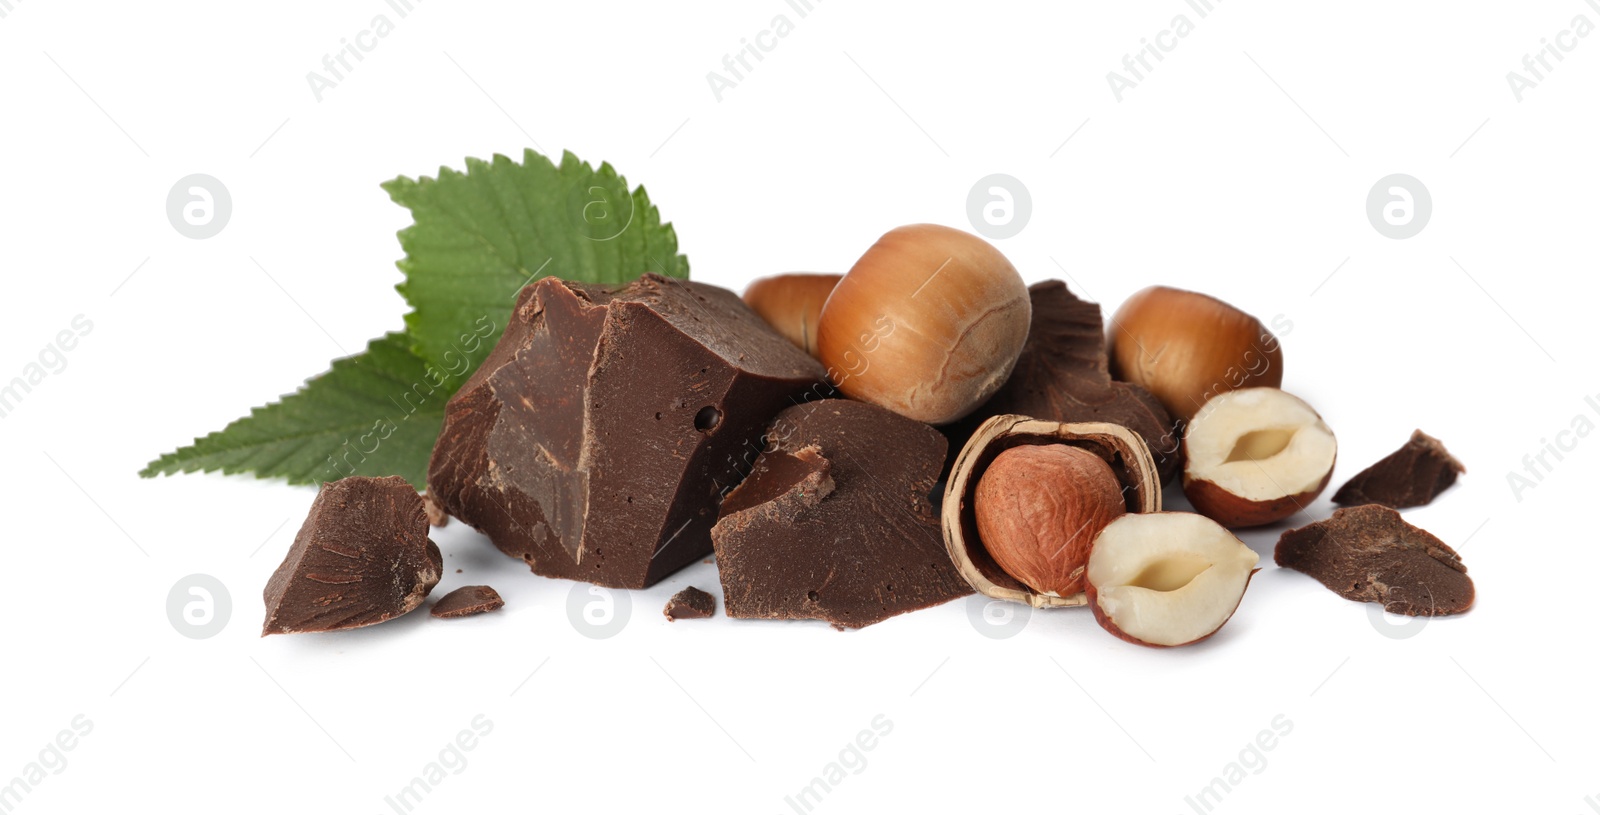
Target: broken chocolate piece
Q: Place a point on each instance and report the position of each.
(1412, 476)
(1064, 375)
(834, 522)
(362, 557)
(1369, 554)
(598, 437)
(467, 601)
(690, 604)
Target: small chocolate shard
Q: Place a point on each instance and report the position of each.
(467, 601)
(1370, 555)
(690, 604)
(1064, 375)
(437, 517)
(1412, 476)
(596, 440)
(834, 522)
(362, 557)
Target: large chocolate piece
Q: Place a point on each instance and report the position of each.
(467, 601)
(835, 523)
(1369, 554)
(690, 604)
(598, 437)
(1064, 375)
(362, 557)
(1412, 476)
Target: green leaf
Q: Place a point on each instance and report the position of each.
(478, 237)
(375, 413)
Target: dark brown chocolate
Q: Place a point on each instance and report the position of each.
(1369, 554)
(690, 604)
(467, 601)
(1064, 375)
(1412, 476)
(598, 437)
(362, 557)
(835, 522)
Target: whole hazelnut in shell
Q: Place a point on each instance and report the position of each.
(928, 323)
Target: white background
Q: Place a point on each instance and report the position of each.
(1239, 166)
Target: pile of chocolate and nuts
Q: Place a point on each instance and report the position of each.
(855, 447)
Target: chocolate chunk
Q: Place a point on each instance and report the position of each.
(467, 601)
(1412, 476)
(690, 604)
(597, 438)
(834, 522)
(362, 557)
(1064, 375)
(1368, 554)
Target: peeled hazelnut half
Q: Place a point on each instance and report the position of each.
(1184, 347)
(1166, 578)
(928, 323)
(791, 304)
(1038, 508)
(1256, 456)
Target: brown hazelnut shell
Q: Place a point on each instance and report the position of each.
(1120, 447)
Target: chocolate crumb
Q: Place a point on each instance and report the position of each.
(690, 604)
(467, 601)
(1412, 476)
(1369, 554)
(437, 517)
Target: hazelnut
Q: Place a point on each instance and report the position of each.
(1038, 507)
(1185, 347)
(1166, 578)
(791, 303)
(1136, 483)
(928, 323)
(1255, 456)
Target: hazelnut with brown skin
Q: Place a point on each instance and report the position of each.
(791, 304)
(1186, 347)
(1038, 509)
(928, 323)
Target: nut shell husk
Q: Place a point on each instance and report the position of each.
(1120, 447)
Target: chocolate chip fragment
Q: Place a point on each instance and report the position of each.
(1064, 375)
(362, 557)
(467, 601)
(1412, 476)
(834, 522)
(598, 437)
(1369, 554)
(436, 514)
(689, 604)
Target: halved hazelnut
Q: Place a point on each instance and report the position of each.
(1255, 456)
(1166, 578)
(1124, 453)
